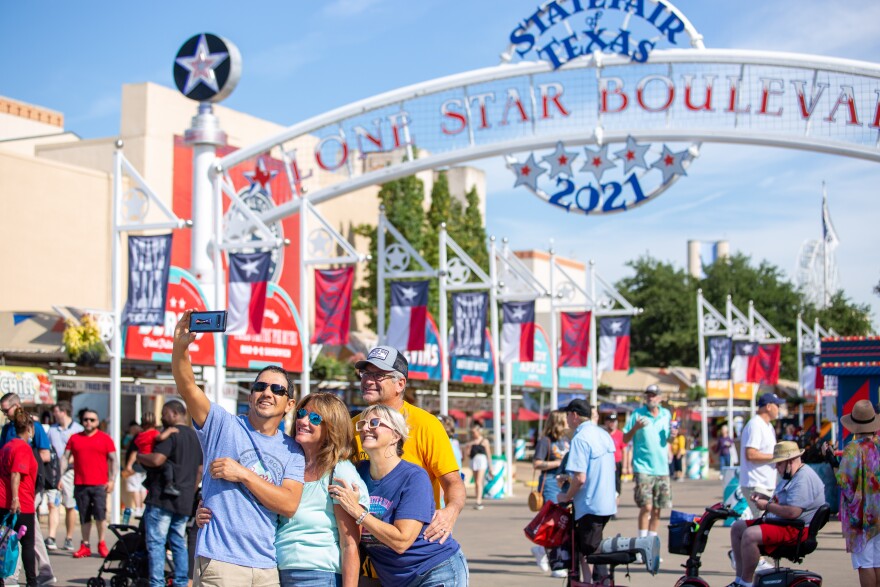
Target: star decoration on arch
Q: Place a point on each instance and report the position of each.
(560, 160)
(598, 162)
(633, 155)
(459, 273)
(261, 175)
(670, 163)
(396, 258)
(201, 66)
(527, 173)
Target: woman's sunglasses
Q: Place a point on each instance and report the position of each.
(260, 387)
(371, 423)
(314, 419)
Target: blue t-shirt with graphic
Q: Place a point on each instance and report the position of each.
(405, 493)
(242, 530)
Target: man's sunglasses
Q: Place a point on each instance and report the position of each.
(369, 424)
(89, 419)
(377, 376)
(314, 419)
(260, 387)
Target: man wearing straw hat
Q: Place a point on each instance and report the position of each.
(798, 495)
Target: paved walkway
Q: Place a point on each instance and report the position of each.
(499, 554)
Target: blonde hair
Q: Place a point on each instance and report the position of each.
(393, 418)
(556, 425)
(338, 441)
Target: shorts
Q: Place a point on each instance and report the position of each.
(677, 463)
(772, 537)
(91, 500)
(618, 473)
(588, 533)
(480, 462)
(135, 482)
(653, 490)
(869, 558)
(214, 573)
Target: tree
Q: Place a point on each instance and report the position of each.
(439, 212)
(472, 236)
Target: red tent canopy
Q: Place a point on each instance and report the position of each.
(458, 414)
(526, 415)
(484, 415)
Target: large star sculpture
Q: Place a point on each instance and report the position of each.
(261, 176)
(633, 155)
(201, 66)
(670, 163)
(527, 173)
(598, 162)
(560, 160)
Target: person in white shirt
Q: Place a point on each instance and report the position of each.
(757, 475)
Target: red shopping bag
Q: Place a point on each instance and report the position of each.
(551, 527)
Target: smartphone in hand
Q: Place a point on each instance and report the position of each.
(214, 321)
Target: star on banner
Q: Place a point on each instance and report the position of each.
(527, 173)
(560, 160)
(633, 155)
(409, 293)
(201, 66)
(597, 162)
(260, 175)
(670, 163)
(616, 326)
(251, 268)
(517, 313)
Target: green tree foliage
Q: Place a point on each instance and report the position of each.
(666, 333)
(472, 236)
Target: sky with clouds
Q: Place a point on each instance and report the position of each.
(302, 59)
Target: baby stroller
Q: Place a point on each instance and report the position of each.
(127, 561)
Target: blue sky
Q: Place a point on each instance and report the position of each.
(301, 59)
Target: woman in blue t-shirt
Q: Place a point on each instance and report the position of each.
(401, 507)
(318, 547)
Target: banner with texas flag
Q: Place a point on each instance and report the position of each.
(755, 363)
(409, 314)
(811, 375)
(518, 332)
(248, 274)
(575, 339)
(614, 344)
(333, 288)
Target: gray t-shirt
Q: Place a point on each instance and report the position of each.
(804, 490)
(242, 530)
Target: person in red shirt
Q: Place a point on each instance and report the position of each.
(619, 446)
(94, 473)
(18, 474)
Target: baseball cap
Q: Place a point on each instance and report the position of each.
(770, 398)
(581, 407)
(386, 358)
(653, 388)
(611, 416)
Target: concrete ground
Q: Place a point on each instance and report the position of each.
(499, 554)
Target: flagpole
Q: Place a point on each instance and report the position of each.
(380, 280)
(305, 383)
(819, 392)
(704, 404)
(554, 346)
(444, 342)
(219, 289)
(594, 392)
(729, 316)
(825, 296)
(116, 296)
(508, 424)
(496, 384)
(800, 366)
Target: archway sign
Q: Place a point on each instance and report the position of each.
(607, 103)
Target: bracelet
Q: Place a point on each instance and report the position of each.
(362, 517)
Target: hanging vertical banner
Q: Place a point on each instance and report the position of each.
(278, 342)
(248, 274)
(574, 378)
(149, 261)
(518, 332)
(614, 344)
(409, 309)
(154, 343)
(744, 354)
(718, 365)
(472, 369)
(537, 372)
(426, 362)
(575, 339)
(764, 367)
(469, 323)
(811, 376)
(333, 288)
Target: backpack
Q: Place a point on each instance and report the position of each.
(48, 474)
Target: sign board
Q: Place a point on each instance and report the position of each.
(473, 369)
(537, 373)
(426, 363)
(33, 385)
(721, 390)
(277, 344)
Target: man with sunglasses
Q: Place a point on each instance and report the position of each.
(383, 381)
(253, 472)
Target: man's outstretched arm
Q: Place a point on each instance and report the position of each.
(197, 403)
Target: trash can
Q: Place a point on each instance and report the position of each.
(732, 495)
(519, 449)
(494, 488)
(698, 464)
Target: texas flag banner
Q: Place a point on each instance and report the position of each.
(518, 332)
(575, 339)
(764, 368)
(614, 344)
(248, 274)
(744, 353)
(333, 289)
(811, 375)
(409, 315)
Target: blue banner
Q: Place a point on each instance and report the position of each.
(473, 369)
(149, 263)
(538, 372)
(426, 363)
(469, 324)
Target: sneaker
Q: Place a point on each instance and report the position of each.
(103, 550)
(763, 565)
(732, 560)
(83, 552)
(50, 544)
(479, 506)
(68, 544)
(49, 581)
(541, 558)
(559, 573)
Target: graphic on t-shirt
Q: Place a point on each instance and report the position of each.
(260, 462)
(379, 506)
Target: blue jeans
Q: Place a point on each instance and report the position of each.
(724, 460)
(453, 572)
(303, 578)
(163, 525)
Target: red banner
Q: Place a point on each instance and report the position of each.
(333, 289)
(575, 339)
(764, 366)
(154, 343)
(278, 342)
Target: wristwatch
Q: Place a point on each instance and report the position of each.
(362, 517)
